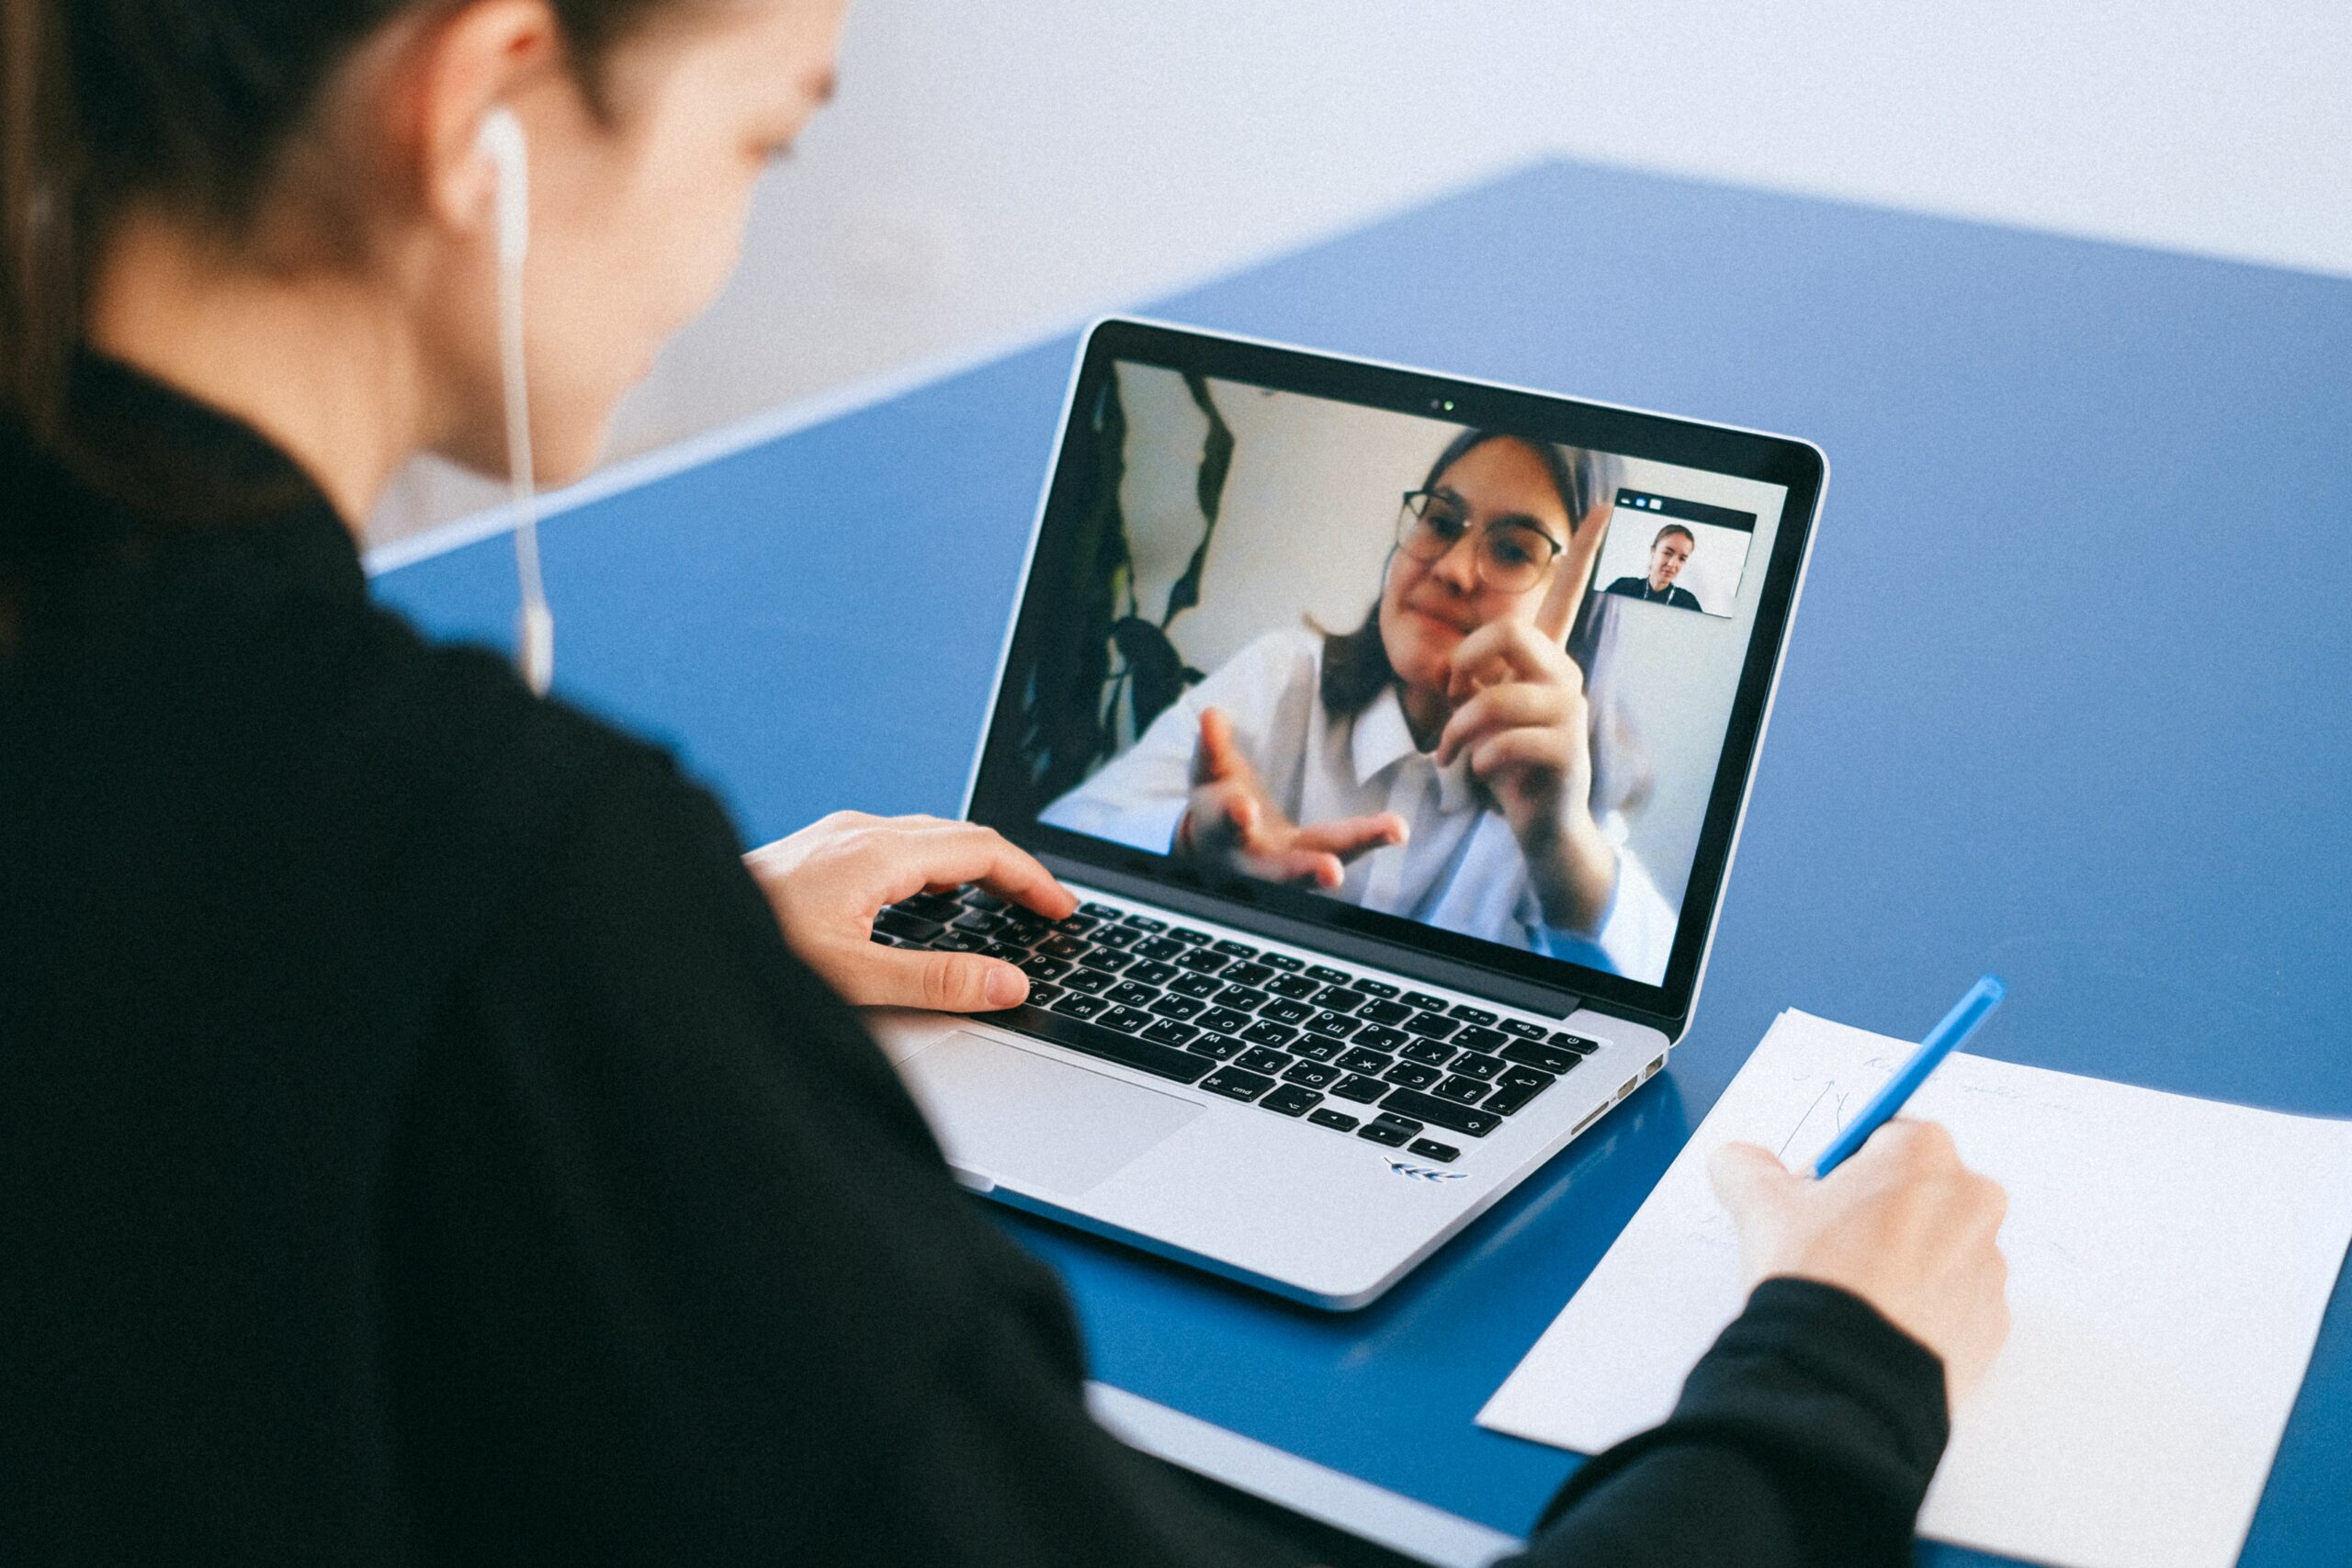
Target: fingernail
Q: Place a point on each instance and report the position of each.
(1006, 986)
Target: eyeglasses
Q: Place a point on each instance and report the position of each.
(1511, 556)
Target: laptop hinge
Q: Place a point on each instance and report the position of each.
(1510, 990)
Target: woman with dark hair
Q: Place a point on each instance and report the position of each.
(1438, 761)
(418, 1142)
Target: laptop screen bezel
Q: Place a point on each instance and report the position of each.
(997, 781)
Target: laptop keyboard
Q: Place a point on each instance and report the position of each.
(1339, 1049)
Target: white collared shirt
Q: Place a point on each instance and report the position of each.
(1460, 868)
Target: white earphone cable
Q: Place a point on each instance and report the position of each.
(535, 623)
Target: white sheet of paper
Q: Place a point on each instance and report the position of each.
(2169, 1262)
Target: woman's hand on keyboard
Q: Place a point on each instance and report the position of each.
(826, 883)
(1903, 1224)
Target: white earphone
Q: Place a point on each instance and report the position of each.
(502, 141)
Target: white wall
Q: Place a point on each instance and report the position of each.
(994, 170)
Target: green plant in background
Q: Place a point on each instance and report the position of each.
(1072, 693)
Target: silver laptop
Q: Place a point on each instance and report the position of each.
(1396, 729)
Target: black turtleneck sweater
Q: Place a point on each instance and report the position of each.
(418, 1145)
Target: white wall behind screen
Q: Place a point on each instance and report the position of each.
(996, 169)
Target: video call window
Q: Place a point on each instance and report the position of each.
(1685, 554)
(1242, 613)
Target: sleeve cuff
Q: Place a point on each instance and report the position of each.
(1815, 1386)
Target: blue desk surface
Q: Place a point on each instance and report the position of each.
(2066, 699)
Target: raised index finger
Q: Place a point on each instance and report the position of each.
(1572, 573)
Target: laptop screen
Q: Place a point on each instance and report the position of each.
(1458, 673)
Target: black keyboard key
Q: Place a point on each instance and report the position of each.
(1386, 1132)
(1160, 947)
(1216, 1047)
(1234, 1084)
(1314, 1074)
(1112, 1046)
(1384, 1012)
(1544, 1059)
(1006, 951)
(1281, 1009)
(941, 907)
(1509, 1097)
(1045, 968)
(1262, 1060)
(1233, 949)
(1359, 1060)
(960, 941)
(1314, 1047)
(1360, 1090)
(1329, 976)
(1576, 1043)
(1338, 1121)
(1393, 1120)
(1283, 962)
(1478, 1037)
(1442, 1112)
(1117, 936)
(1091, 981)
(1429, 1026)
(1333, 1025)
(1431, 1052)
(1188, 936)
(1264, 1034)
(1469, 1014)
(979, 921)
(1168, 1031)
(1375, 988)
(1127, 993)
(1149, 974)
(1249, 974)
(1181, 1008)
(1423, 1000)
(979, 899)
(1201, 985)
(1473, 1065)
(1225, 1020)
(1242, 999)
(1523, 1029)
(1099, 911)
(1076, 925)
(906, 927)
(1467, 1091)
(1380, 1037)
(1042, 992)
(1291, 1100)
(1294, 985)
(1429, 1148)
(1524, 1078)
(1339, 998)
(1106, 961)
(1412, 1075)
(1077, 1004)
(1143, 922)
(1065, 946)
(878, 939)
(1201, 961)
(1127, 1020)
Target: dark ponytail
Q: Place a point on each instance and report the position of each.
(189, 105)
(39, 300)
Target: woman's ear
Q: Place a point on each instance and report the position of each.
(484, 56)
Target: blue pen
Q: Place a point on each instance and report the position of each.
(1966, 1015)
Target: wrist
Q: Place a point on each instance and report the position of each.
(1574, 867)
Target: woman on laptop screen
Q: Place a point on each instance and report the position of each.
(1438, 761)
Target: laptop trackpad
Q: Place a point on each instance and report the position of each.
(1032, 1122)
